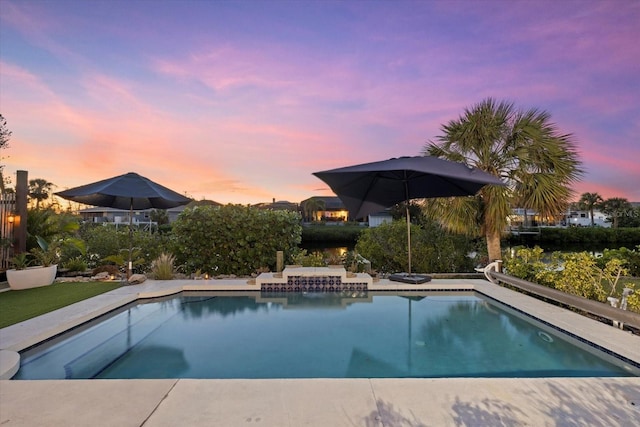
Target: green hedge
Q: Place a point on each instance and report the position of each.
(331, 233)
(581, 235)
(233, 239)
(433, 250)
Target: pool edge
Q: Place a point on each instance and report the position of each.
(23, 335)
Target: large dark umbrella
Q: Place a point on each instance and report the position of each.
(372, 187)
(129, 191)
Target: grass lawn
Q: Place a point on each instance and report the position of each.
(16, 306)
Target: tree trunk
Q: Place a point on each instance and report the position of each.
(493, 246)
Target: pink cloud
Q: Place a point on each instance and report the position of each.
(247, 118)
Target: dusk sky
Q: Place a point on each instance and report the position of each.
(241, 101)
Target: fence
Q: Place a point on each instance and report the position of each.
(7, 217)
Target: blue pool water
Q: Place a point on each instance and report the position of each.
(315, 336)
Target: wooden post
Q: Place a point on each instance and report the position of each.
(20, 223)
(279, 261)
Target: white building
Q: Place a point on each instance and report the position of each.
(583, 219)
(379, 218)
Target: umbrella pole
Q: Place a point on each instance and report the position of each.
(406, 196)
(409, 361)
(409, 237)
(129, 265)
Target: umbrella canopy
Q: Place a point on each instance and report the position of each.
(129, 191)
(372, 187)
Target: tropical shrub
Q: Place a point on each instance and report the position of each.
(103, 241)
(352, 260)
(631, 258)
(121, 260)
(577, 273)
(46, 256)
(21, 261)
(53, 237)
(633, 301)
(433, 250)
(306, 259)
(108, 244)
(78, 263)
(234, 239)
(524, 263)
(356, 263)
(40, 222)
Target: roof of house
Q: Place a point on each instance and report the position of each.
(330, 202)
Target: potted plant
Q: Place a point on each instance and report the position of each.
(24, 276)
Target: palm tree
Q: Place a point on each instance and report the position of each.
(523, 148)
(312, 206)
(590, 201)
(40, 189)
(160, 216)
(616, 207)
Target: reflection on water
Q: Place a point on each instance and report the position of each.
(314, 336)
(337, 250)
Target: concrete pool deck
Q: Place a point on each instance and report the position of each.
(320, 402)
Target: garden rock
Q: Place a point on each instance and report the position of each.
(101, 276)
(136, 279)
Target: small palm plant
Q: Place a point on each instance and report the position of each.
(121, 259)
(162, 267)
(21, 261)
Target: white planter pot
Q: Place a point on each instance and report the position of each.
(32, 277)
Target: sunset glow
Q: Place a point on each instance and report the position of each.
(241, 101)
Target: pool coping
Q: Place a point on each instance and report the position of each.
(320, 402)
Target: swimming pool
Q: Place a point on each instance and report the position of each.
(342, 335)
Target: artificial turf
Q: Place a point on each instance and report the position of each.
(17, 306)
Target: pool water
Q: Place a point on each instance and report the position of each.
(316, 336)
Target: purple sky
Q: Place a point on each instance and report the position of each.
(240, 101)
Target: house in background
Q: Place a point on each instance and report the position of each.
(280, 205)
(521, 217)
(320, 208)
(118, 217)
(104, 215)
(332, 210)
(583, 219)
(379, 218)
